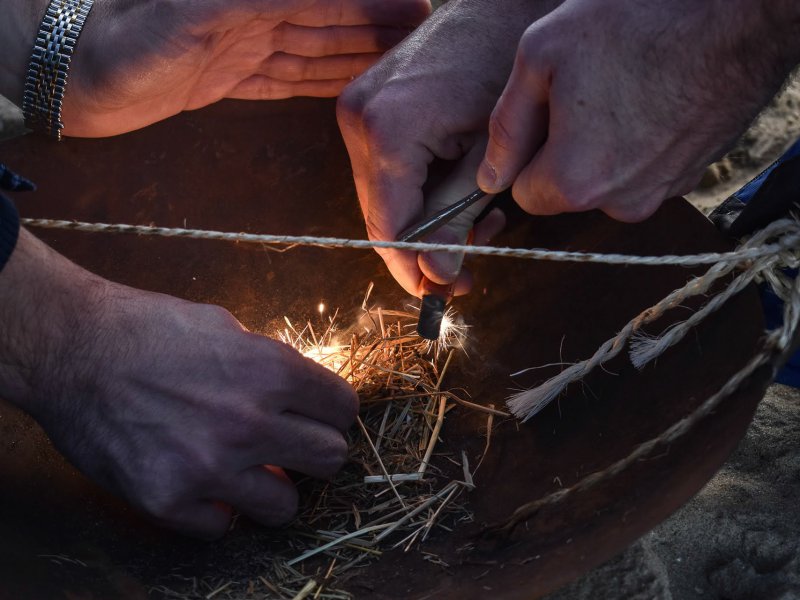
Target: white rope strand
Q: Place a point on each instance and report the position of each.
(777, 344)
(528, 403)
(786, 232)
(645, 349)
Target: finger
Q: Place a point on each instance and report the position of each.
(295, 384)
(326, 398)
(390, 150)
(517, 127)
(290, 67)
(260, 87)
(363, 12)
(403, 267)
(484, 231)
(307, 446)
(262, 493)
(328, 41)
(537, 188)
(204, 519)
(443, 267)
(203, 16)
(389, 185)
(491, 225)
(463, 283)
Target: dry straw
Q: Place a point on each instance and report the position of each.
(394, 492)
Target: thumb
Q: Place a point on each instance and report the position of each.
(444, 267)
(517, 127)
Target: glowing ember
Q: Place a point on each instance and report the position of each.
(328, 348)
(332, 357)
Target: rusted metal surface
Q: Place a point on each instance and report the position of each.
(281, 168)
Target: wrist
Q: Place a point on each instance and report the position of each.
(474, 38)
(46, 304)
(18, 29)
(495, 25)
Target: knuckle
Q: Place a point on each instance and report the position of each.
(499, 132)
(632, 213)
(351, 103)
(376, 227)
(212, 313)
(575, 200)
(279, 36)
(570, 194)
(371, 115)
(375, 121)
(159, 502)
(287, 68)
(533, 46)
(553, 194)
(153, 487)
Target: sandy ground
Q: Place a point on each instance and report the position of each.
(739, 538)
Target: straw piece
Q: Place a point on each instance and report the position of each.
(304, 593)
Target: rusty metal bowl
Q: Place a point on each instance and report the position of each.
(282, 168)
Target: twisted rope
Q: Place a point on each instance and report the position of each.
(775, 348)
(790, 238)
(528, 403)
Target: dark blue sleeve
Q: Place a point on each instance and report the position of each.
(773, 306)
(9, 218)
(9, 229)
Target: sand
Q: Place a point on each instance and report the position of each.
(739, 538)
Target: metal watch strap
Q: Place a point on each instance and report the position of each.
(49, 66)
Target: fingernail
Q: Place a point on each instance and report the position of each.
(442, 267)
(487, 177)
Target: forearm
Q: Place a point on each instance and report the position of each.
(43, 299)
(18, 27)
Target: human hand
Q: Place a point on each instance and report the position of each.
(170, 404)
(620, 105)
(139, 62)
(430, 99)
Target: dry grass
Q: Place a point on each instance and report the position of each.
(402, 483)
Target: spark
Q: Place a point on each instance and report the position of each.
(452, 334)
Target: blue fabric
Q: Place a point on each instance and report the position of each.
(749, 190)
(773, 307)
(12, 182)
(9, 218)
(9, 229)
